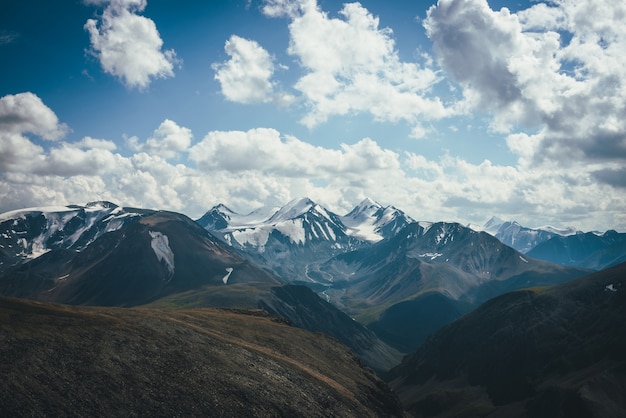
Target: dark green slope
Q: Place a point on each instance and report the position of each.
(58, 360)
(544, 352)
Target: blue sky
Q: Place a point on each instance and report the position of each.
(456, 110)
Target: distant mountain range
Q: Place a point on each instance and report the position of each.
(521, 238)
(292, 239)
(566, 246)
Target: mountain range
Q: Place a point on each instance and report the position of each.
(567, 246)
(374, 279)
(137, 257)
(379, 265)
(522, 238)
(374, 264)
(291, 240)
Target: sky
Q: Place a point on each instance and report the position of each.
(456, 110)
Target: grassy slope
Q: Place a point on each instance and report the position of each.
(61, 360)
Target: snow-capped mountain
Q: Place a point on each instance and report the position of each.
(293, 239)
(28, 233)
(375, 263)
(521, 238)
(372, 222)
(132, 263)
(298, 223)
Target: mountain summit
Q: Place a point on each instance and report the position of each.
(370, 221)
(295, 238)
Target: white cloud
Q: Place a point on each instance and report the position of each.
(89, 142)
(261, 166)
(168, 140)
(8, 37)
(287, 8)
(26, 113)
(567, 97)
(352, 67)
(264, 150)
(246, 76)
(128, 45)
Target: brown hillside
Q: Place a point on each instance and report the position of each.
(57, 360)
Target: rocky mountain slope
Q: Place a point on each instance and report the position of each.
(160, 253)
(292, 240)
(408, 286)
(28, 233)
(84, 361)
(541, 352)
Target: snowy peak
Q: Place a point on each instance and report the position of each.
(295, 209)
(363, 211)
(29, 233)
(216, 218)
(564, 232)
(302, 221)
(370, 221)
(299, 222)
(492, 225)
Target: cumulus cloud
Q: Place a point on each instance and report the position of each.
(248, 169)
(551, 74)
(23, 114)
(264, 150)
(287, 8)
(246, 76)
(89, 142)
(168, 140)
(613, 176)
(128, 45)
(26, 113)
(352, 67)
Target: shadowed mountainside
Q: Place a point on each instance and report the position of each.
(160, 254)
(407, 287)
(89, 361)
(542, 352)
(587, 250)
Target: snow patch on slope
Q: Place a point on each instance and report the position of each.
(256, 237)
(229, 271)
(161, 246)
(293, 229)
